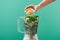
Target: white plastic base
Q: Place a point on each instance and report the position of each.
(27, 37)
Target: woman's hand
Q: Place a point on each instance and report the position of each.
(31, 9)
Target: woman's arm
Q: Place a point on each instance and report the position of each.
(44, 3)
(31, 9)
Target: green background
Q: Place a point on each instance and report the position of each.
(49, 21)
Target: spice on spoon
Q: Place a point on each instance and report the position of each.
(30, 10)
